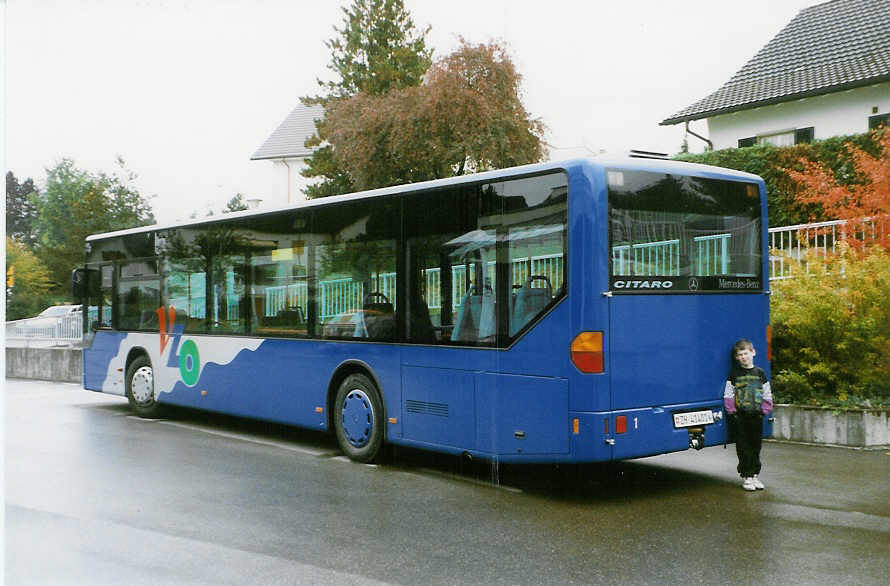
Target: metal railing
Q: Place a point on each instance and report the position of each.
(791, 246)
(44, 331)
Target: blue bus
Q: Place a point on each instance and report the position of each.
(562, 312)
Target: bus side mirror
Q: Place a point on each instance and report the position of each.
(84, 283)
(79, 285)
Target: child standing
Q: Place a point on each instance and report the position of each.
(747, 397)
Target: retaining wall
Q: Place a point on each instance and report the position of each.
(56, 364)
(819, 425)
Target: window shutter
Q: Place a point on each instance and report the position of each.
(877, 120)
(804, 135)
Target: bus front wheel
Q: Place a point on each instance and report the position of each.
(140, 388)
(358, 418)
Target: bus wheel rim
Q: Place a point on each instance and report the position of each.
(358, 418)
(142, 385)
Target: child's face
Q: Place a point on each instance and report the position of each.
(745, 356)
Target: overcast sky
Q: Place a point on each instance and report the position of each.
(186, 90)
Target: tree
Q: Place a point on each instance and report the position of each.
(28, 281)
(78, 203)
(236, 204)
(467, 117)
(21, 213)
(866, 196)
(377, 50)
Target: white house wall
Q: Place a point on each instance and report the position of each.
(289, 171)
(840, 113)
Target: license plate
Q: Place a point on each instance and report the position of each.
(693, 418)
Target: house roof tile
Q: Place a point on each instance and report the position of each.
(829, 47)
(287, 140)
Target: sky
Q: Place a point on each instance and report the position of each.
(186, 90)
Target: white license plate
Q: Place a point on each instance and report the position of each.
(693, 418)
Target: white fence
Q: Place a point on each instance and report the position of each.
(45, 331)
(790, 246)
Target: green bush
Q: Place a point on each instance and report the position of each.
(831, 331)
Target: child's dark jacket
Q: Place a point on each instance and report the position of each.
(747, 391)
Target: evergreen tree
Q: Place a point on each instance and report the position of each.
(377, 50)
(236, 204)
(21, 212)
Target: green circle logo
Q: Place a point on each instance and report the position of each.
(189, 363)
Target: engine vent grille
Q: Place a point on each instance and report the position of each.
(440, 409)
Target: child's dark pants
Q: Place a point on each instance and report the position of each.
(748, 438)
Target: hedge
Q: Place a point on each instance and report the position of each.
(769, 162)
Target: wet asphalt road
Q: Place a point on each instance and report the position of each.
(97, 496)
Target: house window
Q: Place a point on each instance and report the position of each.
(787, 138)
(780, 139)
(877, 120)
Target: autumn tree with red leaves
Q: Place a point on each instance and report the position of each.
(863, 201)
(831, 323)
(466, 117)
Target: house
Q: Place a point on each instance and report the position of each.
(286, 149)
(827, 73)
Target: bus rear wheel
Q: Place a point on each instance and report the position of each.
(358, 418)
(140, 388)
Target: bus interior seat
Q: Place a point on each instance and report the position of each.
(148, 320)
(290, 316)
(420, 326)
(530, 301)
(475, 317)
(180, 318)
(378, 314)
(487, 318)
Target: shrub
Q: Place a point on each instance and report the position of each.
(773, 163)
(831, 331)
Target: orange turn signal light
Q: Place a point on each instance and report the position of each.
(587, 352)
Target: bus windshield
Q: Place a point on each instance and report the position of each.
(671, 233)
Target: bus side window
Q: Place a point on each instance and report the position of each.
(444, 241)
(535, 218)
(356, 293)
(139, 295)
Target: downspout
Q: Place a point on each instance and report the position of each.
(286, 164)
(700, 137)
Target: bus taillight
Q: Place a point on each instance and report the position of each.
(587, 352)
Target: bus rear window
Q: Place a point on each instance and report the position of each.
(675, 233)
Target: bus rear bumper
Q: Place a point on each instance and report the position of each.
(635, 433)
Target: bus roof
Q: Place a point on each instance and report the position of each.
(642, 164)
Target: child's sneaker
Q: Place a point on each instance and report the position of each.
(756, 482)
(748, 484)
